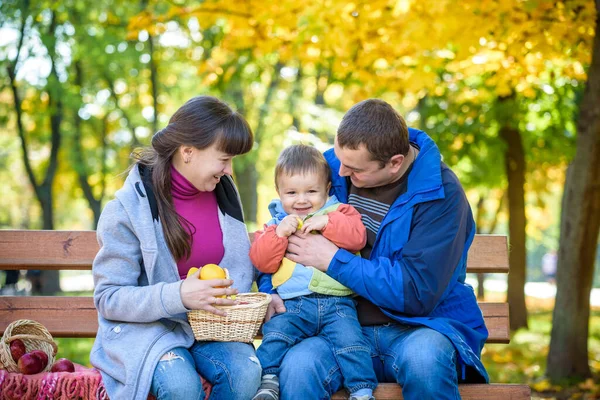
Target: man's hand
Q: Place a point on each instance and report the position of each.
(287, 226)
(315, 224)
(311, 250)
(276, 306)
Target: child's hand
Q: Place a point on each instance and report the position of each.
(287, 226)
(315, 223)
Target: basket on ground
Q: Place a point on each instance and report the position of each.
(34, 335)
(240, 325)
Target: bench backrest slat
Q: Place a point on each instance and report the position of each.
(77, 316)
(27, 249)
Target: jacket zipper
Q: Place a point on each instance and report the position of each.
(384, 222)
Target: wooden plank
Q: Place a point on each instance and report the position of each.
(496, 321)
(74, 317)
(391, 391)
(31, 249)
(488, 253)
(77, 317)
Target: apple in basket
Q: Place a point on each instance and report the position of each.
(30, 364)
(63, 365)
(17, 349)
(42, 356)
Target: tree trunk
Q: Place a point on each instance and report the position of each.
(153, 73)
(295, 99)
(245, 169)
(49, 280)
(79, 164)
(246, 176)
(580, 223)
(514, 159)
(154, 83)
(135, 142)
(246, 179)
(43, 282)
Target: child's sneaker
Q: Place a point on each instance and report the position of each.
(269, 388)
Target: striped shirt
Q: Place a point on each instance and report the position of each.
(373, 205)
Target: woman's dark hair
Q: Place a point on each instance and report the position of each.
(200, 123)
(300, 159)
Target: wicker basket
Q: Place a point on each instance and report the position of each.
(240, 325)
(34, 335)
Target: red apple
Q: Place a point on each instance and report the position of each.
(42, 356)
(63, 365)
(17, 349)
(30, 364)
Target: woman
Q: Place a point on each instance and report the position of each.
(178, 208)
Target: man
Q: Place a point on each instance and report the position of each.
(422, 321)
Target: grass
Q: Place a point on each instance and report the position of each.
(523, 360)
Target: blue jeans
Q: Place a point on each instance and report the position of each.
(420, 359)
(334, 320)
(231, 367)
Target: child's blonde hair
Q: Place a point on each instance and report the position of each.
(301, 159)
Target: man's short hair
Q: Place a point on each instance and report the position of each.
(302, 159)
(378, 126)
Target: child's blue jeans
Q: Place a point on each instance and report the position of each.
(329, 317)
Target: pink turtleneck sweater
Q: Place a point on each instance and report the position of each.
(200, 209)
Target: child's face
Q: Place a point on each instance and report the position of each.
(302, 194)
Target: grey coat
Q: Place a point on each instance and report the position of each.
(140, 313)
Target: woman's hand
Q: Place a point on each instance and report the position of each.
(197, 294)
(276, 306)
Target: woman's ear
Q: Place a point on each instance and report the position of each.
(186, 153)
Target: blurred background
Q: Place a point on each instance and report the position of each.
(509, 90)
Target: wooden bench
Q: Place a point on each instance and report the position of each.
(76, 317)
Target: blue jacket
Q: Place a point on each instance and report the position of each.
(417, 267)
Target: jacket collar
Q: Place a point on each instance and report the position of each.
(277, 212)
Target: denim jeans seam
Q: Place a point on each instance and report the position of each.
(364, 385)
(297, 308)
(280, 335)
(455, 362)
(272, 370)
(338, 309)
(220, 365)
(394, 357)
(330, 373)
(353, 349)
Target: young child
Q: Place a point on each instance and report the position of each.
(316, 304)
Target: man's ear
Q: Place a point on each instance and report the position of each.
(395, 163)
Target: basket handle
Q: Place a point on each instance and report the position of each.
(35, 337)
